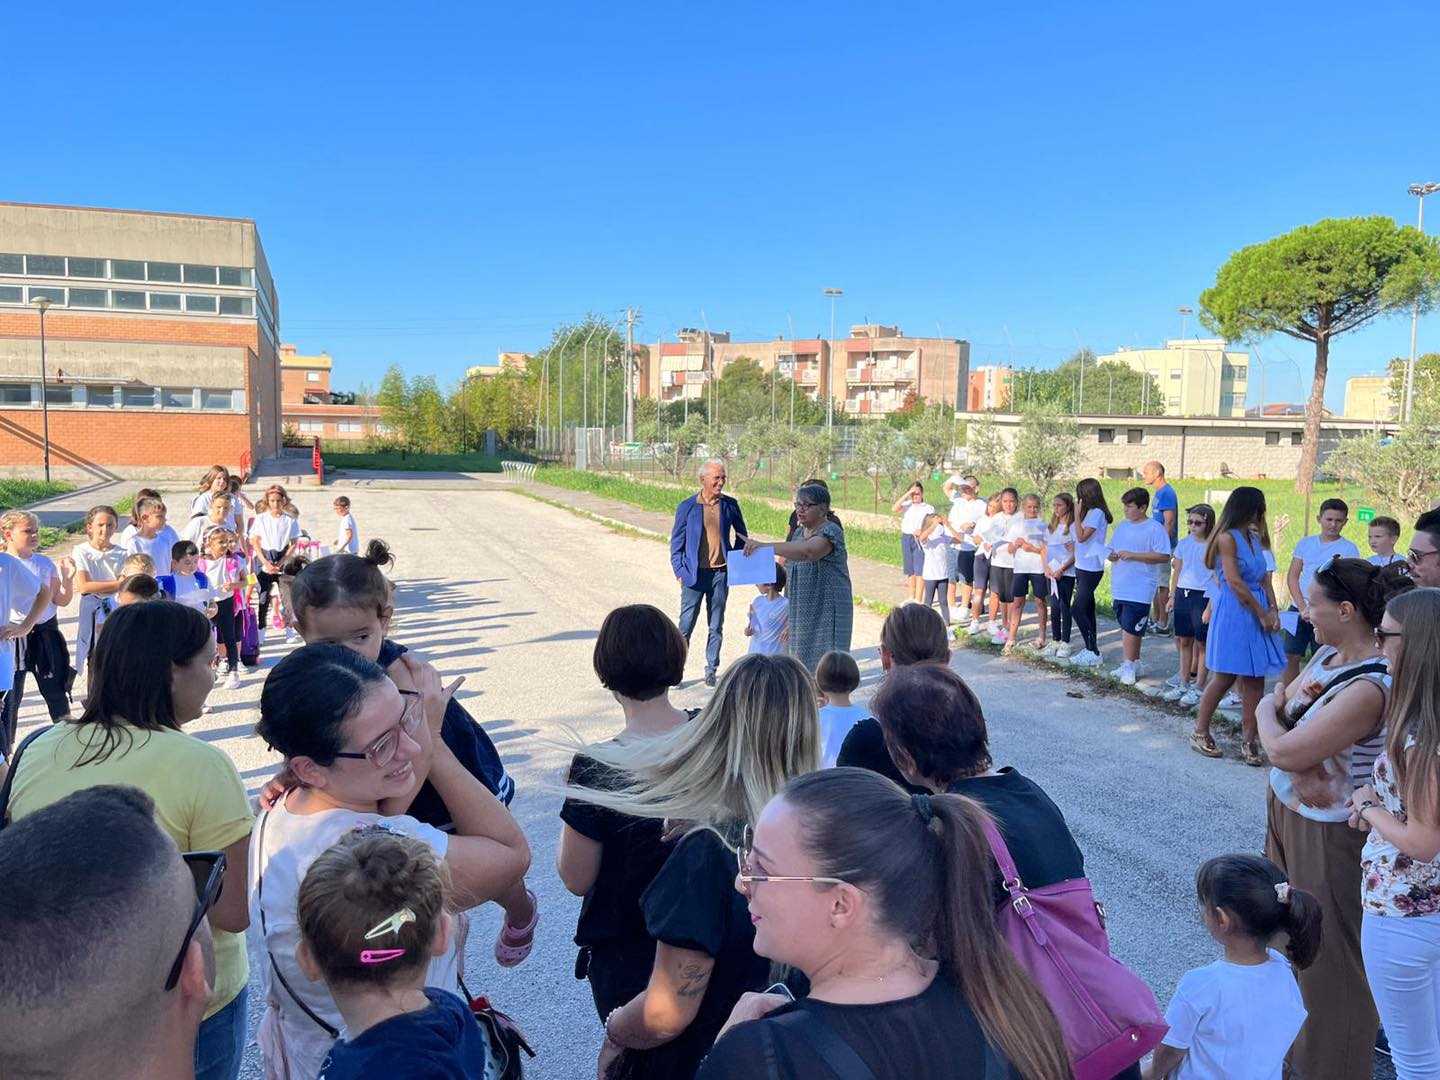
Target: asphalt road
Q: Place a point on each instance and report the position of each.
(511, 592)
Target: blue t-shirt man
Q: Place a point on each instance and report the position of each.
(1166, 499)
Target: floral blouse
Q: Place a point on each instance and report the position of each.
(1393, 883)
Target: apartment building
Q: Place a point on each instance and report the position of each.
(309, 406)
(161, 342)
(872, 372)
(990, 387)
(1367, 397)
(1197, 376)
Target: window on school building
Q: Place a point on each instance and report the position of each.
(160, 271)
(1134, 435)
(127, 269)
(16, 394)
(1297, 438)
(177, 397)
(100, 397)
(59, 395)
(236, 305)
(92, 268)
(11, 294)
(349, 427)
(56, 296)
(91, 298)
(1105, 435)
(217, 399)
(1272, 438)
(138, 397)
(164, 301)
(50, 265)
(127, 300)
(12, 264)
(200, 275)
(312, 427)
(201, 303)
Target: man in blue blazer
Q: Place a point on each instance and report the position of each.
(707, 525)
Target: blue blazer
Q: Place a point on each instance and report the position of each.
(690, 525)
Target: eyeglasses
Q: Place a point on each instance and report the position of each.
(1382, 635)
(743, 856)
(382, 751)
(805, 505)
(1195, 521)
(1415, 558)
(208, 870)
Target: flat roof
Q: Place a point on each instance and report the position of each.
(122, 210)
(294, 360)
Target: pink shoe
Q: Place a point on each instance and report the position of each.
(515, 942)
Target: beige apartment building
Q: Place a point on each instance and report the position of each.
(1197, 376)
(1367, 397)
(990, 387)
(871, 373)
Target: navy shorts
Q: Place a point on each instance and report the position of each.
(1026, 584)
(1189, 607)
(1133, 616)
(982, 572)
(912, 555)
(1002, 582)
(964, 571)
(1302, 642)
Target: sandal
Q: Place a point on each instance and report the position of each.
(1204, 744)
(1250, 753)
(515, 942)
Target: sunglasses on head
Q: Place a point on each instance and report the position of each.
(207, 868)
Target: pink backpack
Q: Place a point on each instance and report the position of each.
(1108, 1016)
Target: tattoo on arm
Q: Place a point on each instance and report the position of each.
(694, 978)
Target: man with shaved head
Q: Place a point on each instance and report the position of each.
(94, 917)
(1164, 508)
(706, 527)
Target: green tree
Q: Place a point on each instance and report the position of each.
(1047, 446)
(433, 428)
(760, 442)
(1111, 388)
(1317, 282)
(1427, 379)
(931, 437)
(746, 392)
(986, 451)
(811, 455)
(673, 447)
(879, 456)
(395, 405)
(504, 402)
(911, 409)
(579, 367)
(1396, 473)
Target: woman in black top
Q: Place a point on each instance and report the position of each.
(711, 776)
(607, 857)
(844, 873)
(912, 634)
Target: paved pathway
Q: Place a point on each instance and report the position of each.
(511, 593)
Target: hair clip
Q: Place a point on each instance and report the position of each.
(1282, 892)
(391, 925)
(380, 956)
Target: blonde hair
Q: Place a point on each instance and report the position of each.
(209, 539)
(1414, 711)
(139, 563)
(12, 518)
(759, 730)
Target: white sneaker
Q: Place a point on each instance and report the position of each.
(1174, 681)
(1230, 701)
(1126, 673)
(1063, 651)
(993, 628)
(999, 637)
(1086, 659)
(232, 681)
(1191, 698)
(1175, 693)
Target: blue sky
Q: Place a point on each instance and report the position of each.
(434, 182)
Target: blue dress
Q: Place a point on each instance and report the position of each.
(1237, 644)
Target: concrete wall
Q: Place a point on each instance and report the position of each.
(152, 363)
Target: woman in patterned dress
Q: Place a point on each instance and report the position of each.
(822, 606)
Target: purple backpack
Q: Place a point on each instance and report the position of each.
(1108, 1016)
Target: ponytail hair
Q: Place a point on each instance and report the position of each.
(1363, 585)
(926, 863)
(344, 580)
(1255, 893)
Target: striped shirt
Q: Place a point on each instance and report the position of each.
(1351, 767)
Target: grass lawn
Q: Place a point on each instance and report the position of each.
(15, 493)
(415, 462)
(1283, 502)
(50, 536)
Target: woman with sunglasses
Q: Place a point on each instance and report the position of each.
(150, 674)
(360, 748)
(884, 901)
(1323, 733)
(709, 778)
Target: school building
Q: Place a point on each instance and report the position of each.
(161, 341)
(871, 373)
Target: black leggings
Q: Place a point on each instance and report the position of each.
(227, 630)
(1083, 606)
(48, 658)
(1060, 610)
(267, 583)
(936, 590)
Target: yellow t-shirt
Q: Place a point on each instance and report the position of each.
(199, 800)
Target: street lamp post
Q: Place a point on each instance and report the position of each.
(1419, 191)
(833, 294)
(43, 303)
(1184, 313)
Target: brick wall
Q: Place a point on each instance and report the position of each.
(122, 439)
(111, 326)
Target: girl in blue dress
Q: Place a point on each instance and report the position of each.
(1242, 645)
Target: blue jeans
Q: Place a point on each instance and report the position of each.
(220, 1044)
(712, 586)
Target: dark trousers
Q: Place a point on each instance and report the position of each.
(935, 591)
(1082, 608)
(228, 631)
(268, 582)
(711, 586)
(1060, 610)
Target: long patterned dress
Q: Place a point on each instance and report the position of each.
(822, 607)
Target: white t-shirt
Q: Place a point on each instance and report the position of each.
(191, 593)
(1090, 554)
(276, 532)
(1314, 554)
(43, 571)
(999, 530)
(1135, 581)
(1236, 1021)
(15, 580)
(1386, 560)
(291, 843)
(235, 521)
(158, 547)
(769, 618)
(125, 534)
(965, 510)
(1194, 574)
(936, 547)
(914, 517)
(982, 528)
(224, 575)
(100, 565)
(353, 544)
(1057, 547)
(1033, 530)
(835, 723)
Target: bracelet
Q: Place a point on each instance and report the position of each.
(1366, 805)
(606, 1025)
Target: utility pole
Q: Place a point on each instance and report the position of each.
(1419, 191)
(629, 374)
(833, 294)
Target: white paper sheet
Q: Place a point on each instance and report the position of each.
(757, 569)
(1290, 622)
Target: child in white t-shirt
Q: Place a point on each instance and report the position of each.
(1384, 534)
(187, 584)
(1026, 541)
(1138, 547)
(1235, 1019)
(1191, 583)
(837, 676)
(152, 536)
(935, 538)
(347, 533)
(768, 626)
(1311, 553)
